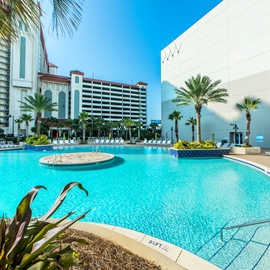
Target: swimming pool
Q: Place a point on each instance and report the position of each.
(183, 201)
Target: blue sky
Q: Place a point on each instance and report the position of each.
(121, 40)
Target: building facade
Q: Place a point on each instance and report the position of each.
(232, 44)
(25, 70)
(113, 101)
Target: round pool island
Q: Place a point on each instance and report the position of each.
(76, 159)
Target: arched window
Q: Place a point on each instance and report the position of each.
(76, 103)
(48, 94)
(77, 79)
(22, 57)
(62, 105)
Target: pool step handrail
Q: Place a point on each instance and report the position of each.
(247, 224)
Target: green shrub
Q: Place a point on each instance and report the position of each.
(38, 140)
(183, 144)
(38, 244)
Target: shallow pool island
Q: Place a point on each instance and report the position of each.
(194, 153)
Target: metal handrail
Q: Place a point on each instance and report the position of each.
(242, 225)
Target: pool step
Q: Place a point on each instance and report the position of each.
(246, 248)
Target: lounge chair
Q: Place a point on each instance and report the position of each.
(2, 144)
(169, 142)
(10, 144)
(61, 142)
(66, 142)
(226, 145)
(218, 144)
(121, 141)
(144, 141)
(72, 141)
(96, 141)
(116, 141)
(154, 142)
(107, 141)
(112, 141)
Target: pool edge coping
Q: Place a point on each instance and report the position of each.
(257, 166)
(175, 258)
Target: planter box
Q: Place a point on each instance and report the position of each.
(246, 150)
(194, 153)
(39, 147)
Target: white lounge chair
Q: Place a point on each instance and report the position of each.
(10, 144)
(96, 141)
(61, 142)
(121, 141)
(107, 141)
(72, 141)
(169, 142)
(112, 141)
(218, 144)
(144, 141)
(66, 142)
(2, 144)
(116, 141)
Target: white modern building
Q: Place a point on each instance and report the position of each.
(230, 43)
(25, 70)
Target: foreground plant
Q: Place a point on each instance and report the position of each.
(38, 140)
(38, 244)
(183, 144)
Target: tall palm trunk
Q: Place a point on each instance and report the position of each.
(27, 127)
(84, 128)
(38, 123)
(248, 117)
(198, 109)
(193, 129)
(176, 130)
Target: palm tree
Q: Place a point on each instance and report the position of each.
(39, 103)
(200, 91)
(68, 123)
(99, 123)
(51, 122)
(176, 116)
(128, 123)
(248, 105)
(66, 16)
(18, 121)
(192, 121)
(139, 125)
(83, 117)
(27, 118)
(76, 126)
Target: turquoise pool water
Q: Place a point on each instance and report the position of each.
(184, 202)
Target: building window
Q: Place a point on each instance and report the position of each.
(77, 79)
(22, 57)
(62, 105)
(76, 103)
(48, 94)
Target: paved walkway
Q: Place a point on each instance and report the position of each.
(260, 159)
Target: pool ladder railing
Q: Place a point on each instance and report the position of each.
(239, 226)
(54, 158)
(95, 149)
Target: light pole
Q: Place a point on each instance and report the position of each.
(12, 123)
(172, 134)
